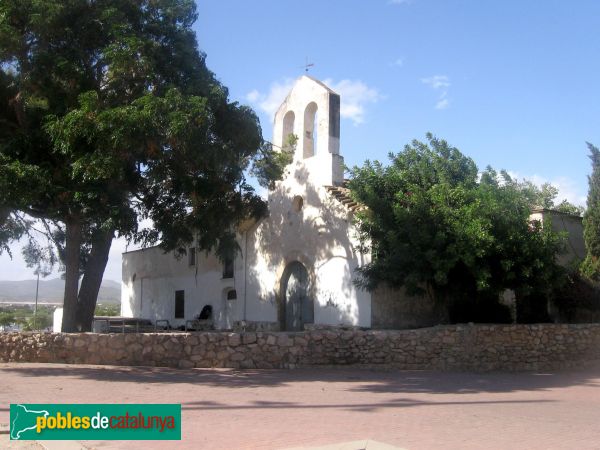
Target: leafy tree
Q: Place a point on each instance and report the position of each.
(42, 320)
(11, 228)
(107, 310)
(591, 219)
(577, 298)
(434, 227)
(109, 115)
(544, 196)
(6, 318)
(569, 208)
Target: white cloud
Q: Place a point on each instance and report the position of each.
(567, 188)
(439, 83)
(399, 2)
(355, 95)
(253, 96)
(399, 62)
(442, 103)
(270, 101)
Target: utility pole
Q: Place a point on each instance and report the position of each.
(37, 290)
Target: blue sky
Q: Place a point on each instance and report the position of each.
(513, 84)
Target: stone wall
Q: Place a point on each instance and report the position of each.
(455, 347)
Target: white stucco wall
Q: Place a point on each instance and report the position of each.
(151, 278)
(575, 246)
(319, 236)
(57, 320)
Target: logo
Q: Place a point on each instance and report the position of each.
(95, 422)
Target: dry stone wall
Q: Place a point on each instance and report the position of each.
(454, 347)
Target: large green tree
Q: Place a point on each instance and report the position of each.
(591, 219)
(109, 115)
(434, 224)
(545, 196)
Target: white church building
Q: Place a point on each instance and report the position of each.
(295, 267)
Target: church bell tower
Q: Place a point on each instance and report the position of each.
(311, 111)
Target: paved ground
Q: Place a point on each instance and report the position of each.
(277, 409)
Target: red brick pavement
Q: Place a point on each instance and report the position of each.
(262, 409)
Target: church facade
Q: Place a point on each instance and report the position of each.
(296, 266)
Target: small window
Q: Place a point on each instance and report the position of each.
(192, 256)
(228, 268)
(232, 295)
(179, 304)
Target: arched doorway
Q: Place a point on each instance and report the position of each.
(297, 302)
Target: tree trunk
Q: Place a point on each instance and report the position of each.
(92, 279)
(72, 250)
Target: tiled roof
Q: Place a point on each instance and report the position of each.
(342, 195)
(554, 211)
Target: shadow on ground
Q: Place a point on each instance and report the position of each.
(359, 380)
(360, 407)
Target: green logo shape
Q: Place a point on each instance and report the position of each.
(95, 421)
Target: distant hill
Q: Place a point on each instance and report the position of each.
(52, 291)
